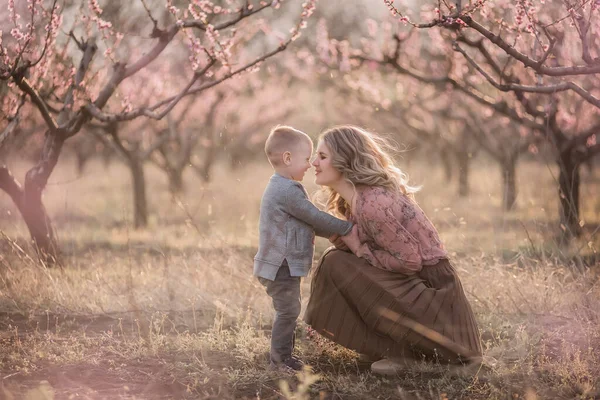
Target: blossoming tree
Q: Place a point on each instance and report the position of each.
(72, 72)
(535, 61)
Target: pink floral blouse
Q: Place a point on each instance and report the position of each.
(393, 233)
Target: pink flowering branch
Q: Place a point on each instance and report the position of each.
(536, 65)
(96, 112)
(49, 32)
(244, 12)
(150, 112)
(499, 106)
(546, 89)
(94, 109)
(457, 20)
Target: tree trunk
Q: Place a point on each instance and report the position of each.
(34, 214)
(509, 183)
(569, 182)
(28, 198)
(175, 180)
(140, 204)
(464, 162)
(107, 154)
(447, 163)
(209, 159)
(82, 160)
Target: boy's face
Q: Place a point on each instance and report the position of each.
(298, 161)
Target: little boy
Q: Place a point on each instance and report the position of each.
(287, 226)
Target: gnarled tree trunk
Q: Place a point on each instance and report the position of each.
(28, 198)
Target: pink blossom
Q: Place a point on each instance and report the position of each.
(390, 5)
(13, 14)
(194, 13)
(104, 24)
(16, 33)
(172, 9)
(95, 7)
(295, 34)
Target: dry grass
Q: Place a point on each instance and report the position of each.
(173, 312)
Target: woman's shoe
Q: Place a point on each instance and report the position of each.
(388, 366)
(367, 359)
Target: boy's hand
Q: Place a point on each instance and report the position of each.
(337, 241)
(351, 240)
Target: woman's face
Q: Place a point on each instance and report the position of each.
(325, 173)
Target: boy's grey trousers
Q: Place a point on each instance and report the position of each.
(285, 292)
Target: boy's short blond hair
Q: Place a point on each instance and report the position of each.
(283, 138)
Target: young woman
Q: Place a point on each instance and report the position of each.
(396, 295)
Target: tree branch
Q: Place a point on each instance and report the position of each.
(536, 65)
(163, 40)
(501, 106)
(584, 28)
(550, 89)
(89, 50)
(47, 40)
(26, 87)
(479, 45)
(149, 111)
(244, 13)
(98, 114)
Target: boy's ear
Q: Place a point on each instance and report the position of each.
(287, 157)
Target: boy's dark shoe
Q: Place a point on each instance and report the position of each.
(290, 364)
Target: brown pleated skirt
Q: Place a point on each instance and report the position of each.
(387, 314)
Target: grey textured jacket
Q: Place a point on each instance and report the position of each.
(287, 226)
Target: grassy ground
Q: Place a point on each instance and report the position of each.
(172, 311)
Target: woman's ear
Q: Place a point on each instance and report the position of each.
(287, 158)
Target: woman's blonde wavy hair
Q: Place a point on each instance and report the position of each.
(363, 158)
